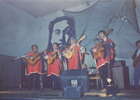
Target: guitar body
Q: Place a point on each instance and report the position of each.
(33, 61)
(69, 53)
(98, 54)
(100, 47)
(51, 57)
(136, 62)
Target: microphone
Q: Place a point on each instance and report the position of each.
(87, 53)
(97, 39)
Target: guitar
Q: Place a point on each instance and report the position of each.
(136, 61)
(52, 57)
(35, 57)
(100, 47)
(69, 52)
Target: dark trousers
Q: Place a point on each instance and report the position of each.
(34, 81)
(137, 76)
(53, 82)
(111, 72)
(56, 82)
(103, 72)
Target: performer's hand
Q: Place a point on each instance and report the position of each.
(78, 44)
(46, 57)
(31, 58)
(45, 52)
(82, 49)
(94, 50)
(68, 50)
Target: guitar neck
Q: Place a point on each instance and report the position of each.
(53, 53)
(109, 31)
(41, 53)
(38, 55)
(82, 38)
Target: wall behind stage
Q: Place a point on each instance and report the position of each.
(19, 30)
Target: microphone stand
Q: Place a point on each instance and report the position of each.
(24, 56)
(23, 70)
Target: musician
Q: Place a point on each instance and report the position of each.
(75, 61)
(34, 71)
(106, 56)
(54, 67)
(136, 65)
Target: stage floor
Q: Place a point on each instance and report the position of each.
(49, 94)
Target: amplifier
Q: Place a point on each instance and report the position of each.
(121, 77)
(119, 63)
(112, 90)
(72, 92)
(75, 77)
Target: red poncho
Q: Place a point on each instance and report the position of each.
(34, 68)
(74, 61)
(101, 61)
(55, 67)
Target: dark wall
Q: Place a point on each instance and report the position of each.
(9, 72)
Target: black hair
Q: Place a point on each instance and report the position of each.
(104, 32)
(138, 41)
(73, 38)
(56, 44)
(34, 45)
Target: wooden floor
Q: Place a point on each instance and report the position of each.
(49, 94)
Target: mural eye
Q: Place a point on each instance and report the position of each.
(66, 30)
(57, 31)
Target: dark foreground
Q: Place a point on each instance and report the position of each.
(49, 94)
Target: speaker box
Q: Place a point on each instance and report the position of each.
(120, 63)
(121, 77)
(75, 74)
(72, 92)
(112, 90)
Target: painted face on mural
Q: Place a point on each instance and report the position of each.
(58, 34)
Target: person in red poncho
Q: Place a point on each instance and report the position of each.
(54, 66)
(104, 54)
(34, 70)
(74, 61)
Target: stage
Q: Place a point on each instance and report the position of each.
(49, 94)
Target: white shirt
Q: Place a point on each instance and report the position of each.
(138, 52)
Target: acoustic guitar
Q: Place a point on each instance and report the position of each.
(52, 57)
(136, 61)
(100, 47)
(35, 57)
(69, 52)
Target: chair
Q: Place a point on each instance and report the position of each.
(98, 79)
